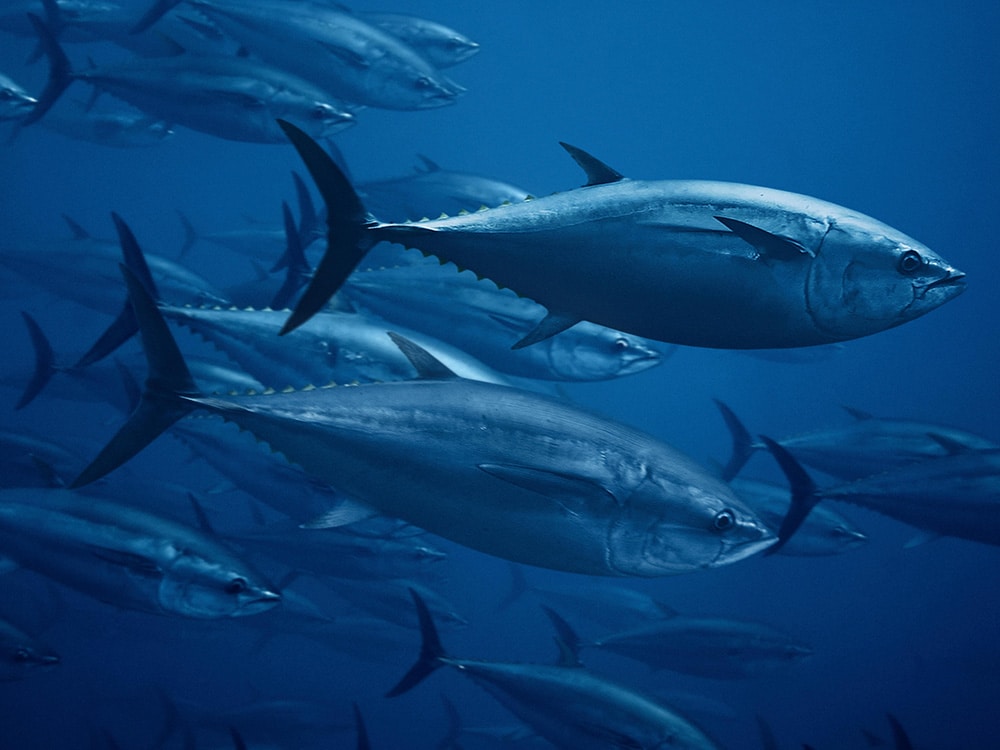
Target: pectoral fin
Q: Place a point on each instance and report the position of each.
(551, 324)
(130, 560)
(569, 490)
(770, 246)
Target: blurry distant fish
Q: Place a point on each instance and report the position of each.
(690, 262)
(29, 461)
(127, 557)
(825, 532)
(957, 494)
(20, 654)
(566, 704)
(716, 647)
(115, 129)
(868, 445)
(334, 49)
(230, 97)
(83, 267)
(76, 21)
(485, 321)
(612, 606)
(440, 45)
(431, 190)
(476, 459)
(15, 102)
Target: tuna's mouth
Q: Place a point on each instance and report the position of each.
(953, 283)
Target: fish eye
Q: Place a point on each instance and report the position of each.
(423, 82)
(621, 344)
(236, 586)
(724, 519)
(320, 111)
(6, 94)
(910, 262)
(22, 654)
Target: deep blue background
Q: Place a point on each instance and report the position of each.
(889, 108)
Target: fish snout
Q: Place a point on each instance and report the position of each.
(261, 602)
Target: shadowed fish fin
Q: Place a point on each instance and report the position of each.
(951, 446)
(569, 490)
(567, 641)
(346, 513)
(598, 173)
(359, 723)
(308, 220)
(346, 221)
(767, 739)
(60, 72)
(238, 742)
(432, 653)
(804, 494)
(75, 228)
(124, 326)
(167, 386)
(45, 364)
(428, 366)
(770, 246)
(294, 260)
(858, 414)
(901, 740)
(159, 9)
(550, 325)
(743, 446)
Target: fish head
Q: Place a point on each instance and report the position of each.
(669, 527)
(322, 120)
(591, 352)
(194, 586)
(868, 277)
(19, 658)
(15, 102)
(429, 91)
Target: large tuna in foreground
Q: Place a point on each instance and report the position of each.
(700, 263)
(508, 472)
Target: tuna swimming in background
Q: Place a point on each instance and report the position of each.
(700, 263)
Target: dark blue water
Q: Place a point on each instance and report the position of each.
(888, 108)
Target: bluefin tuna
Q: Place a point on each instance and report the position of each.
(229, 97)
(442, 46)
(866, 446)
(957, 494)
(127, 557)
(700, 263)
(334, 49)
(504, 471)
(713, 647)
(564, 703)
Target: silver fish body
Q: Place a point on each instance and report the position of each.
(338, 51)
(127, 557)
(650, 258)
(701, 263)
(715, 647)
(486, 321)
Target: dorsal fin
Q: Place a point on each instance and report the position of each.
(858, 414)
(428, 366)
(598, 173)
(78, 232)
